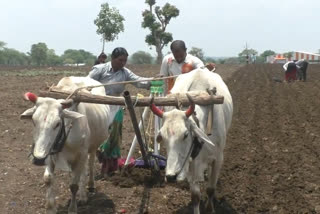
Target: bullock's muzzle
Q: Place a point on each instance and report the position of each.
(171, 178)
(38, 162)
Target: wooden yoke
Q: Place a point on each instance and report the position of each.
(199, 98)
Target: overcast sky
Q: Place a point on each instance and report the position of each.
(219, 27)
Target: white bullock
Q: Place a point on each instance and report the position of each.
(183, 138)
(66, 134)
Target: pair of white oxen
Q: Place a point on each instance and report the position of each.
(66, 136)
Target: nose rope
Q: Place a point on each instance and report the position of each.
(59, 141)
(191, 147)
(185, 161)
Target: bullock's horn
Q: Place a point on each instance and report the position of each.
(155, 109)
(190, 110)
(67, 103)
(31, 97)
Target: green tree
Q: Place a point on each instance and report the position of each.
(52, 58)
(2, 45)
(88, 57)
(157, 21)
(222, 61)
(141, 57)
(288, 54)
(209, 59)
(2, 55)
(9, 56)
(246, 53)
(267, 53)
(109, 23)
(198, 52)
(38, 53)
(68, 61)
(77, 56)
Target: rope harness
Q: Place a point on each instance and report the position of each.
(58, 142)
(195, 147)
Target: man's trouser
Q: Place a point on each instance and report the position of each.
(291, 74)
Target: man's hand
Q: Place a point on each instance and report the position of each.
(211, 66)
(158, 76)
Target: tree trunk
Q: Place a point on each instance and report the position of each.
(160, 55)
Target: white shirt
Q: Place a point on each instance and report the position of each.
(285, 66)
(171, 67)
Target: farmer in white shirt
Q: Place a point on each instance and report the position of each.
(179, 62)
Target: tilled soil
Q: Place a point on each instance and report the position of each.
(271, 159)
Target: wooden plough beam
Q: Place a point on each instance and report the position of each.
(199, 98)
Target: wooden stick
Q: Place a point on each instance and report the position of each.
(199, 97)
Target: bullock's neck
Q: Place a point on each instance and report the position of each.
(186, 86)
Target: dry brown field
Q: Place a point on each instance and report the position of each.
(271, 158)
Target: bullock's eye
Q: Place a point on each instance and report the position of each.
(186, 134)
(58, 124)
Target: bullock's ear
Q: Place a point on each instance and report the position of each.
(71, 114)
(27, 114)
(200, 134)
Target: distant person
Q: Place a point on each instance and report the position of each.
(290, 69)
(101, 59)
(111, 72)
(247, 59)
(302, 69)
(253, 58)
(180, 62)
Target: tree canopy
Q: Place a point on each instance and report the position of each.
(156, 19)
(109, 22)
(141, 57)
(38, 53)
(198, 52)
(267, 53)
(72, 56)
(247, 52)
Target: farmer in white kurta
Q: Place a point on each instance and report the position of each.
(180, 62)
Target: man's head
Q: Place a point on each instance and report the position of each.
(102, 57)
(179, 50)
(119, 58)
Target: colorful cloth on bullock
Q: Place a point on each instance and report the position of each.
(109, 151)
